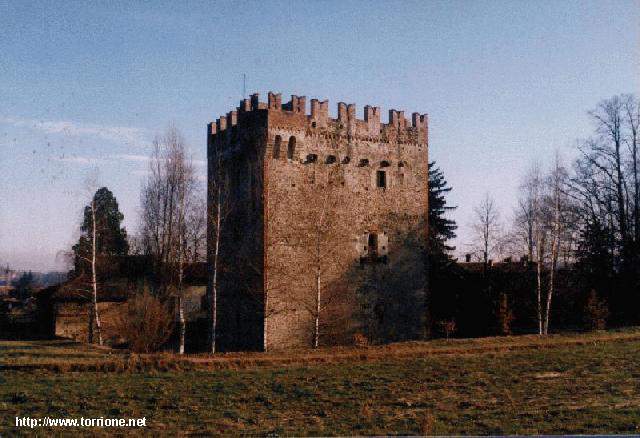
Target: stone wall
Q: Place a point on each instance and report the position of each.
(335, 192)
(72, 320)
(71, 317)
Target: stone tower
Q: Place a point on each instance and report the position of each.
(324, 224)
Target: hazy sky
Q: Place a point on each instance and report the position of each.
(86, 85)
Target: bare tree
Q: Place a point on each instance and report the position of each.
(605, 190)
(487, 226)
(166, 198)
(534, 195)
(182, 247)
(531, 227)
(557, 203)
(526, 213)
(606, 154)
(631, 114)
(218, 211)
(196, 228)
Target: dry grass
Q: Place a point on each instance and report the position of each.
(65, 355)
(588, 383)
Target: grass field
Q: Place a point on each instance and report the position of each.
(579, 383)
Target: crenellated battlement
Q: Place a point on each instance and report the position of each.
(319, 113)
(293, 114)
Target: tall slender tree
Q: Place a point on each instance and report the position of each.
(102, 237)
(218, 210)
(631, 116)
(487, 227)
(166, 198)
(605, 187)
(558, 207)
(439, 264)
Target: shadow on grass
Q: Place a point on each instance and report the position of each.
(36, 344)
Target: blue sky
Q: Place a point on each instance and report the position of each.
(86, 85)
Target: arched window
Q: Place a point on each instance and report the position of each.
(291, 149)
(311, 158)
(276, 147)
(363, 162)
(384, 164)
(330, 159)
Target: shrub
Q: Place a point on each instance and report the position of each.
(596, 312)
(145, 323)
(447, 327)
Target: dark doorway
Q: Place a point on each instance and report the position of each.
(373, 245)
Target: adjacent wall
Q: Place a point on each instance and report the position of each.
(239, 146)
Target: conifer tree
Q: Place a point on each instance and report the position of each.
(111, 236)
(439, 264)
(441, 228)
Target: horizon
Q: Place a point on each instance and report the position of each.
(86, 87)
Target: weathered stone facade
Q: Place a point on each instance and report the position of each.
(318, 207)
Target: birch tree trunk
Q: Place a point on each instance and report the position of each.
(181, 325)
(316, 335)
(555, 243)
(540, 250)
(181, 236)
(214, 285)
(320, 230)
(181, 319)
(94, 316)
(554, 263)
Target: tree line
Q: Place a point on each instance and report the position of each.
(582, 217)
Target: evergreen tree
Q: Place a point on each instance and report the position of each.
(443, 272)
(111, 237)
(441, 228)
